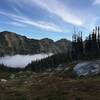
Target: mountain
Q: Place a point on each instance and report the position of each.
(64, 45)
(12, 43)
(48, 45)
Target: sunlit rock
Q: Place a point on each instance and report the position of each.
(3, 80)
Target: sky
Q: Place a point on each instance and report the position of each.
(53, 19)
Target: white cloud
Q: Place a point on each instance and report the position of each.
(60, 10)
(21, 60)
(22, 21)
(41, 24)
(96, 2)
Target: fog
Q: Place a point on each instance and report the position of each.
(21, 60)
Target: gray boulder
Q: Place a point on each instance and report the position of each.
(87, 68)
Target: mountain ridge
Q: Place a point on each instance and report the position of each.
(12, 43)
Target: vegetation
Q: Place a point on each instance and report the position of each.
(9, 69)
(88, 49)
(27, 85)
(49, 62)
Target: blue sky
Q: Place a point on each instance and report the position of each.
(53, 19)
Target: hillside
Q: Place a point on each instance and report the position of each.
(55, 85)
(12, 43)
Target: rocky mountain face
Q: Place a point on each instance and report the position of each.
(12, 43)
(64, 45)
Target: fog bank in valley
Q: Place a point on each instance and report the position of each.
(21, 60)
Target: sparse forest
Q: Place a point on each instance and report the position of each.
(87, 49)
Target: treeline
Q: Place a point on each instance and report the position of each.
(9, 69)
(50, 62)
(87, 49)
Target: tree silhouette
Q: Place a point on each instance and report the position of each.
(90, 47)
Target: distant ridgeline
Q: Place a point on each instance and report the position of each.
(12, 43)
(89, 48)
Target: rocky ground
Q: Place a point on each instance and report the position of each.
(56, 85)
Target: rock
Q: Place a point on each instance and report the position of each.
(3, 80)
(87, 68)
(26, 82)
(45, 73)
(66, 69)
(49, 70)
(12, 76)
(59, 69)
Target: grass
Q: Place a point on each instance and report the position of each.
(53, 86)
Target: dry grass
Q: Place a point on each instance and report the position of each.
(52, 86)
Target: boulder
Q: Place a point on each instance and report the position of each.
(87, 68)
(3, 80)
(12, 76)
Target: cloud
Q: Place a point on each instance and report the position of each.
(21, 60)
(41, 24)
(96, 2)
(22, 21)
(17, 24)
(60, 10)
(55, 7)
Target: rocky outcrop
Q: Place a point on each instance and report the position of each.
(12, 43)
(87, 68)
